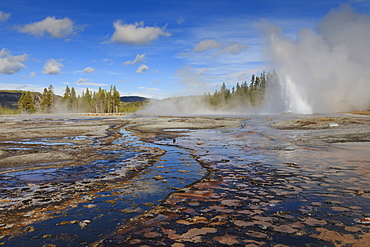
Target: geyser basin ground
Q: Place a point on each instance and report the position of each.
(221, 181)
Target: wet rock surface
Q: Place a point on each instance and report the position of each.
(236, 181)
(263, 189)
(50, 203)
(76, 199)
(330, 129)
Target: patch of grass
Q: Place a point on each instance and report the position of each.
(8, 111)
(132, 106)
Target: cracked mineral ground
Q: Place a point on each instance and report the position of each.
(259, 180)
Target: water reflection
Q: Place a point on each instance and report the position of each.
(264, 187)
(106, 199)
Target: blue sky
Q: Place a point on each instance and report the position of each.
(152, 48)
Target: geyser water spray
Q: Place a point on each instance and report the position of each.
(325, 69)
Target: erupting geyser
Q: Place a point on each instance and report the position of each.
(325, 69)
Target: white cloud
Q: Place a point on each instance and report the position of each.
(33, 74)
(4, 16)
(139, 58)
(142, 68)
(149, 89)
(136, 34)
(52, 67)
(106, 60)
(56, 28)
(11, 64)
(193, 77)
(87, 82)
(82, 81)
(232, 48)
(180, 20)
(25, 87)
(207, 44)
(223, 47)
(201, 71)
(122, 81)
(89, 69)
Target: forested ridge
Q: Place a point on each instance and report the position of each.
(245, 94)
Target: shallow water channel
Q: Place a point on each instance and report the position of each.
(276, 189)
(263, 187)
(109, 200)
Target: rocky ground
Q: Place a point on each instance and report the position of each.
(238, 202)
(30, 146)
(243, 203)
(330, 129)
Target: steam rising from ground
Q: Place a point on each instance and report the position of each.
(323, 70)
(193, 105)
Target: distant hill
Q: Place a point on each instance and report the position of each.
(10, 99)
(129, 99)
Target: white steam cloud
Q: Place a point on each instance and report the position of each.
(178, 106)
(322, 70)
(325, 69)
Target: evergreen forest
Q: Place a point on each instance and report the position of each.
(246, 94)
(102, 101)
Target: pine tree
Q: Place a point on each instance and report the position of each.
(73, 102)
(26, 103)
(116, 100)
(252, 81)
(67, 97)
(99, 101)
(67, 94)
(249, 96)
(47, 101)
(257, 83)
(87, 101)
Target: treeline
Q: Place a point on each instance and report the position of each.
(246, 95)
(243, 94)
(102, 101)
(34, 102)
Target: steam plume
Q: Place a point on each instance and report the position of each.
(192, 105)
(325, 69)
